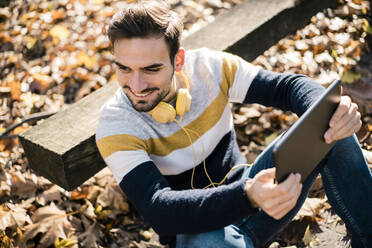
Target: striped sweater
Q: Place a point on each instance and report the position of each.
(153, 162)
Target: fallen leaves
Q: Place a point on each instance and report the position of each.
(64, 243)
(51, 222)
(13, 216)
(350, 77)
(55, 52)
(60, 32)
(311, 209)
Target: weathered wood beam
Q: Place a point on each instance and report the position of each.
(62, 148)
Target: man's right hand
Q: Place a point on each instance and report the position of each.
(275, 199)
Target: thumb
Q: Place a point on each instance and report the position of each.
(266, 175)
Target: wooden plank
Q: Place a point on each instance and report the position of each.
(62, 148)
(252, 27)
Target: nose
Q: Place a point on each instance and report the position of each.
(137, 83)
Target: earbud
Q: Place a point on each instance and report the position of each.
(165, 112)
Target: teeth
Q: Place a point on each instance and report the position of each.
(142, 95)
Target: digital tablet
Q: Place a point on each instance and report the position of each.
(302, 147)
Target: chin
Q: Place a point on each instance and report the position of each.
(144, 107)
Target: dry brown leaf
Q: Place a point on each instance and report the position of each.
(51, 222)
(5, 144)
(5, 241)
(309, 237)
(15, 90)
(88, 210)
(104, 177)
(41, 83)
(13, 215)
(80, 193)
(311, 208)
(368, 156)
(23, 184)
(91, 236)
(113, 197)
(52, 194)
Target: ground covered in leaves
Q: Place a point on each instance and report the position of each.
(53, 53)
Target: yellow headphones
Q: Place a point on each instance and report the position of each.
(164, 112)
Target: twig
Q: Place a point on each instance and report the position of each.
(33, 117)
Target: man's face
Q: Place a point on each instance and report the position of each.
(144, 71)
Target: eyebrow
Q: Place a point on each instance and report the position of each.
(155, 65)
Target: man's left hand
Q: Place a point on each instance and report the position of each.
(344, 122)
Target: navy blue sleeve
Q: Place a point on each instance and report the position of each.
(172, 212)
(285, 91)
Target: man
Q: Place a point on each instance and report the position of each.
(153, 161)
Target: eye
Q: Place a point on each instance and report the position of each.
(124, 69)
(152, 69)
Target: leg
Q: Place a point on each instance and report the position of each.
(227, 237)
(348, 184)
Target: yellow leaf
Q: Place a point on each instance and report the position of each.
(31, 43)
(308, 236)
(367, 27)
(60, 32)
(20, 129)
(97, 2)
(350, 77)
(334, 53)
(358, 1)
(112, 78)
(83, 59)
(270, 138)
(64, 243)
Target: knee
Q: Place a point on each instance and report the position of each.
(346, 152)
(348, 143)
(347, 147)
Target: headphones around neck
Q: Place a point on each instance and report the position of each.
(164, 112)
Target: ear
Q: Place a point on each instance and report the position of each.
(179, 59)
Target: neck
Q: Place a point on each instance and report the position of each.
(173, 90)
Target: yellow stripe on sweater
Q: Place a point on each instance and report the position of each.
(165, 145)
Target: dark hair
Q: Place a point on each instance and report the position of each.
(147, 19)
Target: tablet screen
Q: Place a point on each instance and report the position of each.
(302, 147)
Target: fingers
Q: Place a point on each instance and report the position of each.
(350, 126)
(344, 122)
(266, 175)
(288, 203)
(283, 198)
(342, 108)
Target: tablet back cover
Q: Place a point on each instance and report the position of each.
(302, 147)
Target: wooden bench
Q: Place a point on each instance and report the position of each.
(62, 148)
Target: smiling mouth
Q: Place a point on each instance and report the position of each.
(142, 95)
